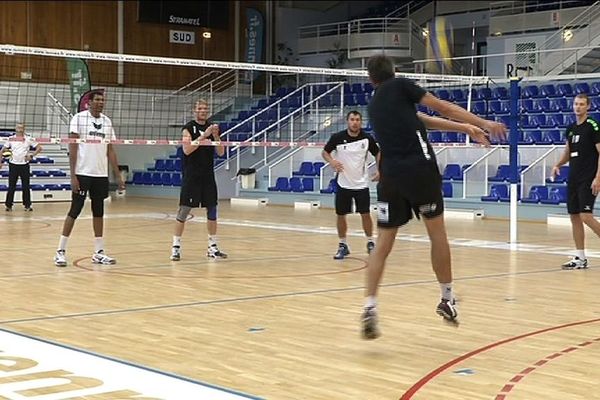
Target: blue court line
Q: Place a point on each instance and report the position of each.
(272, 296)
(131, 364)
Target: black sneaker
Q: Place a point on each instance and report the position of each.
(28, 208)
(370, 246)
(369, 324)
(7, 208)
(447, 309)
(342, 252)
(214, 252)
(575, 263)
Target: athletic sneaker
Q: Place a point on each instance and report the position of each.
(28, 208)
(575, 263)
(175, 253)
(60, 260)
(447, 309)
(370, 246)
(369, 324)
(342, 252)
(101, 258)
(214, 252)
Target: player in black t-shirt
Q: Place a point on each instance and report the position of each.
(198, 187)
(351, 146)
(581, 152)
(410, 180)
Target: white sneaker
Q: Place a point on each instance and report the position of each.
(214, 252)
(175, 253)
(101, 258)
(60, 260)
(575, 263)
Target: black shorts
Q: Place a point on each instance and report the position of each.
(398, 197)
(344, 197)
(198, 191)
(94, 186)
(580, 198)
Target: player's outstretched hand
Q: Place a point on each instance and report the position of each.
(496, 129)
(477, 134)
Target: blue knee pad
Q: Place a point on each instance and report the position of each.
(211, 213)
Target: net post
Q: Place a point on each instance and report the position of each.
(514, 171)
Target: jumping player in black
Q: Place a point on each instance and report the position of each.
(410, 181)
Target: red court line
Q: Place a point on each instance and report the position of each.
(433, 374)
(503, 394)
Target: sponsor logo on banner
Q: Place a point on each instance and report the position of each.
(255, 23)
(182, 37)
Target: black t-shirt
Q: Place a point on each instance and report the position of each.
(352, 152)
(402, 136)
(583, 161)
(201, 160)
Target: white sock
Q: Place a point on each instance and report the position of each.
(446, 289)
(343, 240)
(212, 240)
(371, 302)
(580, 254)
(177, 241)
(98, 244)
(62, 243)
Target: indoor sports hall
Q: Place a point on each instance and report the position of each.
(114, 312)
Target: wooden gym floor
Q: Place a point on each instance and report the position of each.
(279, 319)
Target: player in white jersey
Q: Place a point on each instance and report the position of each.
(18, 165)
(89, 175)
(351, 147)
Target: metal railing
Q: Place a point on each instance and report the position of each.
(504, 8)
(537, 171)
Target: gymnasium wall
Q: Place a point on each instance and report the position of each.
(92, 25)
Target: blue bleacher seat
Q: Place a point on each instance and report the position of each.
(502, 174)
(531, 91)
(317, 167)
(595, 103)
(49, 186)
(147, 178)
(560, 104)
(506, 199)
(138, 178)
(349, 99)
(176, 179)
(369, 88)
(499, 107)
(434, 136)
(157, 178)
(536, 193)
(331, 187)
(179, 152)
(443, 94)
(166, 179)
(531, 106)
(449, 137)
(452, 171)
(36, 186)
(458, 95)
(528, 122)
(500, 93)
(447, 189)
(159, 165)
(65, 186)
(169, 165)
(306, 168)
(357, 88)
(361, 99)
(3, 187)
(485, 94)
(296, 185)
(595, 88)
(564, 89)
(308, 184)
(548, 91)
(40, 173)
(582, 87)
(479, 107)
(496, 192)
(281, 185)
(552, 136)
(556, 195)
(177, 165)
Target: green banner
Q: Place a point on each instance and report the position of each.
(79, 81)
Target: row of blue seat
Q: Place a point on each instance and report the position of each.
(169, 165)
(39, 173)
(293, 184)
(40, 187)
(308, 168)
(454, 172)
(537, 194)
(156, 178)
